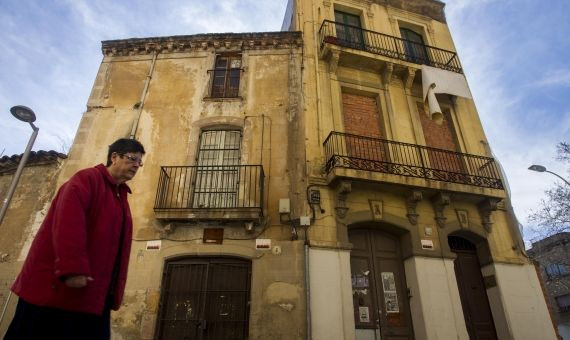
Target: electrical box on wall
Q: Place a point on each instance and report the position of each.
(314, 196)
(284, 206)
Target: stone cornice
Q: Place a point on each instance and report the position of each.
(218, 41)
(8, 164)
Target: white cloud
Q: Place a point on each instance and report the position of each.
(560, 77)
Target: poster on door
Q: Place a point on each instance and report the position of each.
(390, 294)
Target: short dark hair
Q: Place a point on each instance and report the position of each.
(122, 146)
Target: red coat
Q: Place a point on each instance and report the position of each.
(80, 236)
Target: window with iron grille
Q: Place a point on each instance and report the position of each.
(225, 76)
(217, 176)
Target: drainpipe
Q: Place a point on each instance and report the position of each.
(140, 104)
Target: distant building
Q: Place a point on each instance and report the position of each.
(553, 255)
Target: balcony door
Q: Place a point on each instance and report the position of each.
(205, 299)
(216, 180)
(414, 47)
(380, 299)
(349, 30)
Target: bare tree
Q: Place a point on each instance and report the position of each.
(553, 214)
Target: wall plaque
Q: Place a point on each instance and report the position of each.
(376, 209)
(213, 235)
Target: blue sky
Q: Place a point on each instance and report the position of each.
(515, 54)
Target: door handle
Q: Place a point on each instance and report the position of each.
(202, 324)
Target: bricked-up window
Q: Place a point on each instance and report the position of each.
(554, 270)
(226, 76)
(563, 302)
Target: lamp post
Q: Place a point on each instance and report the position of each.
(540, 168)
(24, 114)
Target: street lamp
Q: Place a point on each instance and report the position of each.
(24, 114)
(540, 168)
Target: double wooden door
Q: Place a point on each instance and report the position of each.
(379, 291)
(205, 299)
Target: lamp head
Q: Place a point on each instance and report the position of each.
(23, 113)
(537, 168)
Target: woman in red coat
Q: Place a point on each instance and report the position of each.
(76, 270)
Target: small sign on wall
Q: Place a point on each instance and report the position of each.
(364, 314)
(153, 245)
(263, 243)
(427, 244)
(377, 210)
(213, 235)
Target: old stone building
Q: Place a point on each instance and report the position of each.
(416, 238)
(330, 181)
(24, 216)
(553, 256)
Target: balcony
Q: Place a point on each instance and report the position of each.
(355, 156)
(210, 192)
(356, 38)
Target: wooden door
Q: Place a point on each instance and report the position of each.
(205, 299)
(472, 291)
(379, 288)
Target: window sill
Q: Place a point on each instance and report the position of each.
(222, 99)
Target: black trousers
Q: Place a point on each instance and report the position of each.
(33, 322)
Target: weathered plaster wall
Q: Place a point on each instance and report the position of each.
(23, 218)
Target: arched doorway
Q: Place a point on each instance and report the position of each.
(205, 298)
(472, 291)
(379, 291)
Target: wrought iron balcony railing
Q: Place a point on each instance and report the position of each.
(378, 43)
(380, 155)
(190, 188)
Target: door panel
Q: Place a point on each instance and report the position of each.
(472, 291)
(205, 299)
(379, 284)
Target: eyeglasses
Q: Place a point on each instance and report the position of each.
(133, 159)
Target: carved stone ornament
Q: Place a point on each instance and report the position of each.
(333, 61)
(187, 43)
(411, 203)
(387, 74)
(440, 201)
(485, 209)
(344, 188)
(409, 79)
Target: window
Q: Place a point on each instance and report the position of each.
(414, 46)
(554, 270)
(348, 30)
(226, 76)
(563, 302)
(217, 175)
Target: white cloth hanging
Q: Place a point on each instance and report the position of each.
(435, 80)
